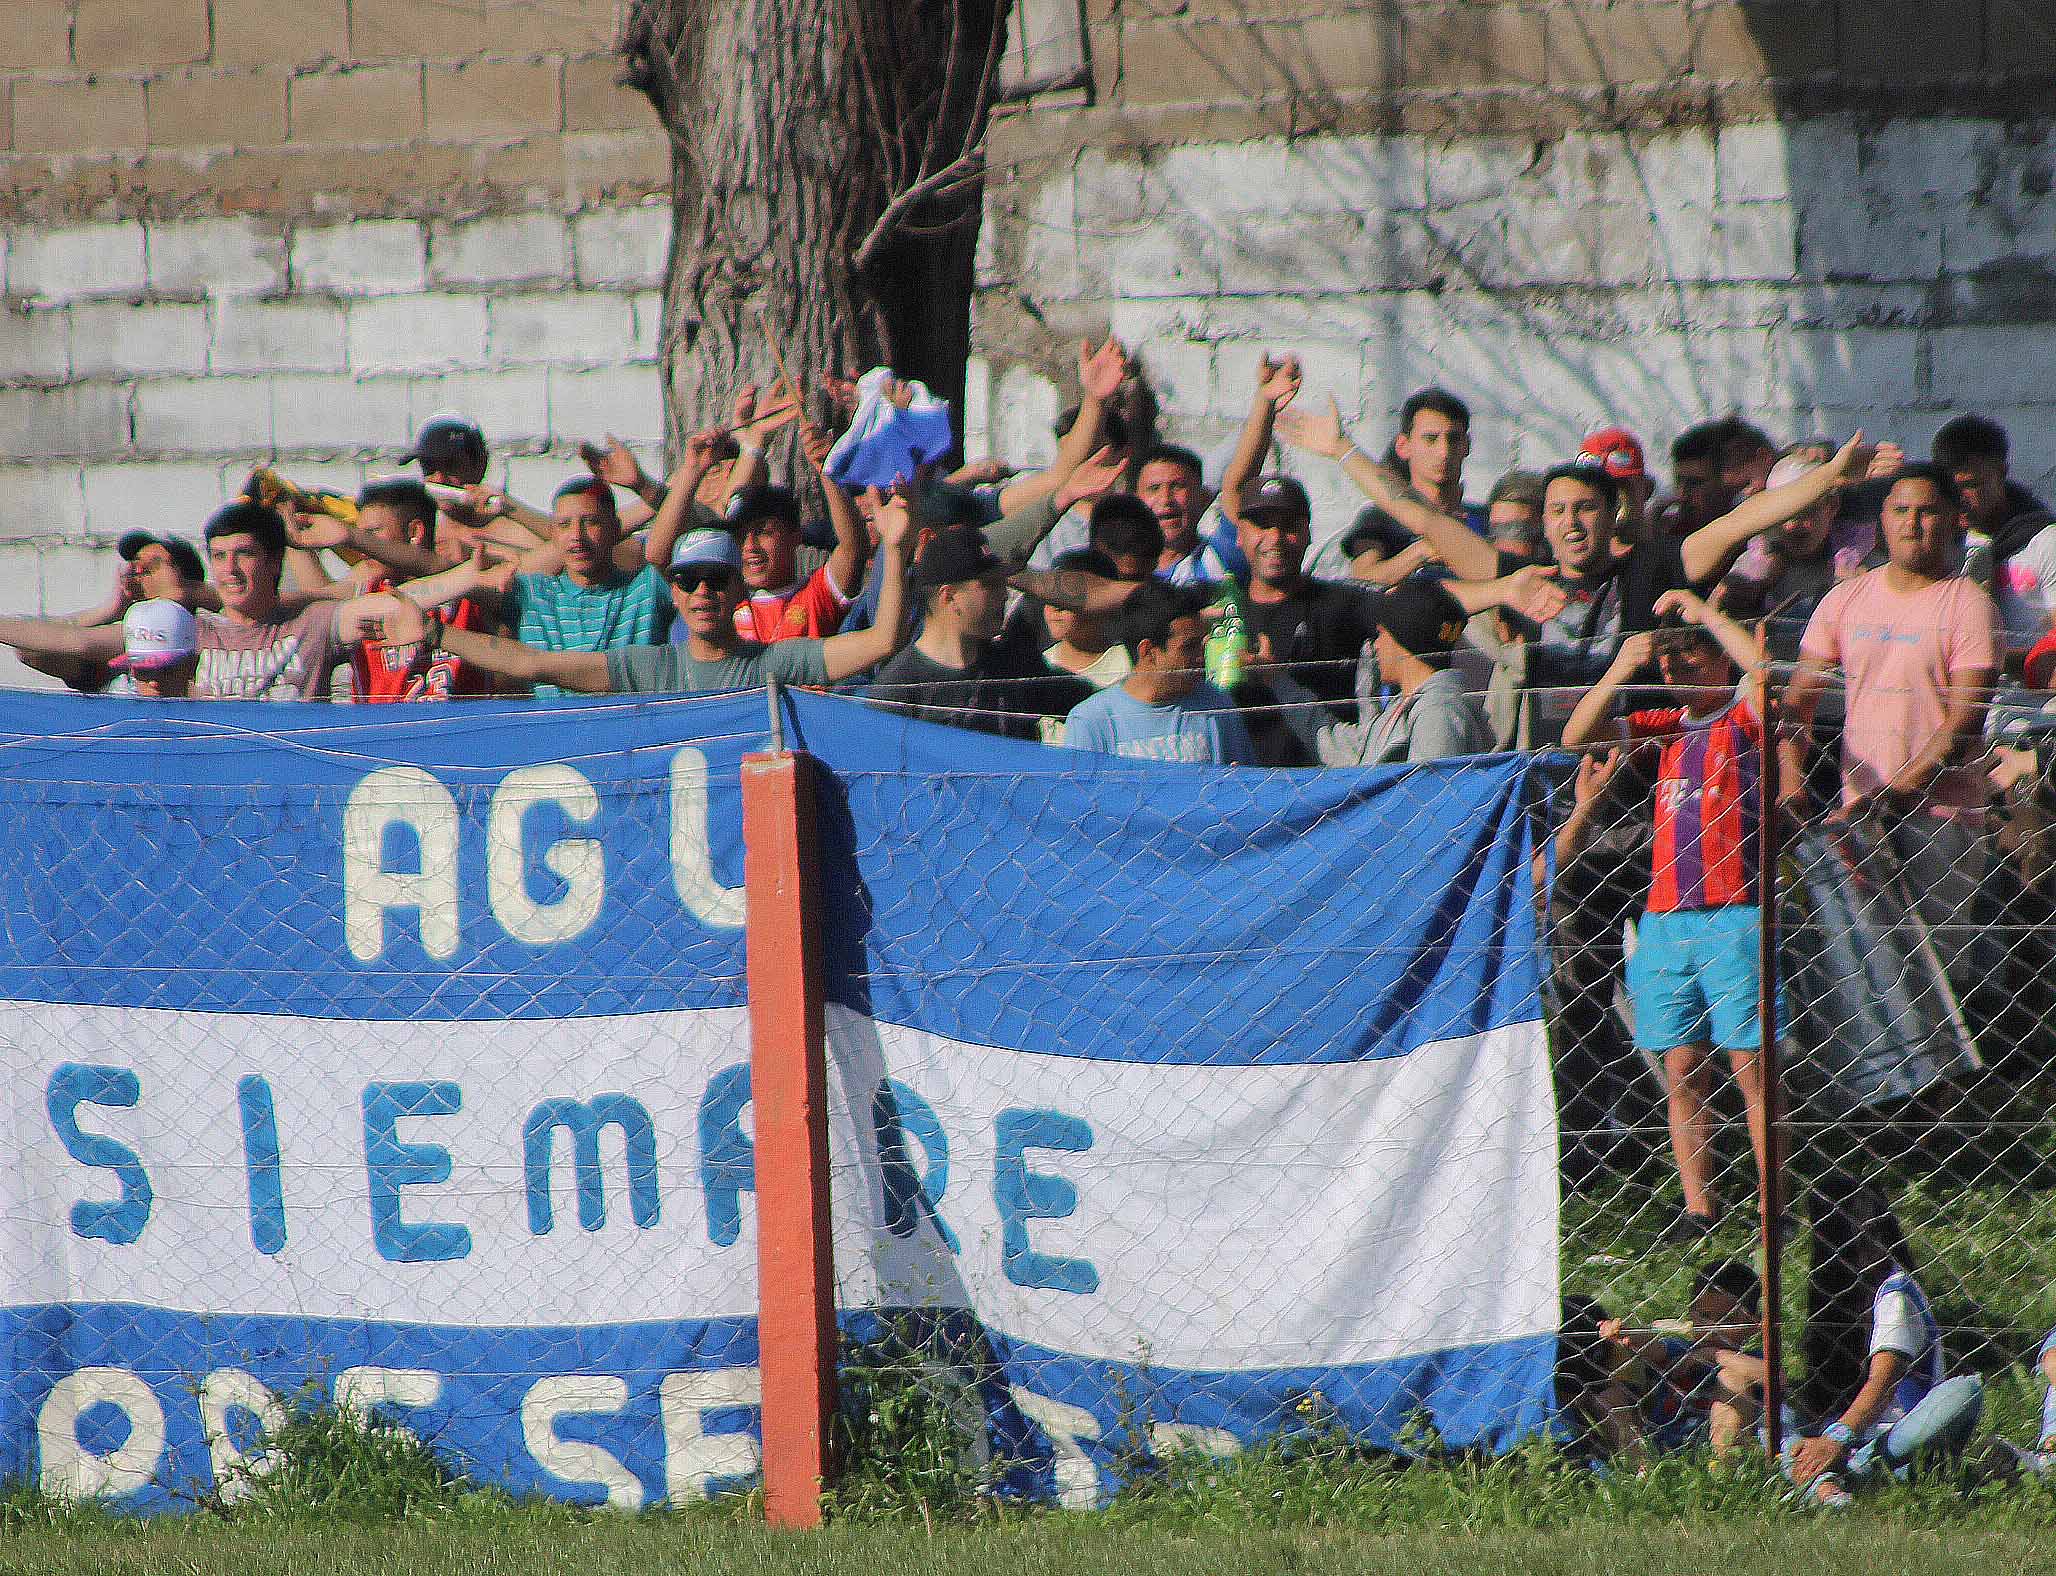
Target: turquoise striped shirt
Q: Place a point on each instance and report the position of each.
(553, 613)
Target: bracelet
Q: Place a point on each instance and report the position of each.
(744, 446)
(1343, 457)
(1841, 1433)
(432, 636)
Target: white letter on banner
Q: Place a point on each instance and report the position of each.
(574, 1460)
(358, 1390)
(408, 796)
(235, 1470)
(1171, 1439)
(1077, 1480)
(694, 1458)
(576, 861)
(692, 853)
(71, 1471)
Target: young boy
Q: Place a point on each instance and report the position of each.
(1645, 1391)
(1694, 980)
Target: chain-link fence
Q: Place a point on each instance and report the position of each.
(404, 1064)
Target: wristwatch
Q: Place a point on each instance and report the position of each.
(1841, 1433)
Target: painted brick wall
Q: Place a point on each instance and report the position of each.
(1569, 213)
(235, 231)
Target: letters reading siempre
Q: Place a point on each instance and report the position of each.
(413, 1131)
(402, 830)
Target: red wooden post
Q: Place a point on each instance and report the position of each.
(789, 1098)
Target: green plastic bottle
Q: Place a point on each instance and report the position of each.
(1227, 642)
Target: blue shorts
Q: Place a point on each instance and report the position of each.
(1694, 979)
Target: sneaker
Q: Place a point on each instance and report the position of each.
(1686, 1227)
(2005, 1461)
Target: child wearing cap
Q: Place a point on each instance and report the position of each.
(1694, 979)
(160, 650)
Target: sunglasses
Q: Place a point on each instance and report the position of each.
(716, 577)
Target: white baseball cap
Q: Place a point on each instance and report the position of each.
(157, 634)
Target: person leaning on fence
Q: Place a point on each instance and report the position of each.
(706, 586)
(1918, 645)
(1164, 710)
(1703, 1387)
(257, 648)
(1430, 718)
(1877, 1396)
(1695, 979)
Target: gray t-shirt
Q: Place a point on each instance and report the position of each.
(672, 670)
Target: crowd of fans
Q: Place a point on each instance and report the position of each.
(1125, 600)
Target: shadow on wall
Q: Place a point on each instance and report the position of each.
(1811, 247)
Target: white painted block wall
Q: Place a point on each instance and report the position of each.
(145, 368)
(1819, 275)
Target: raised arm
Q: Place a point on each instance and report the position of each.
(1277, 382)
(844, 655)
(478, 577)
(399, 621)
(1736, 641)
(55, 637)
(309, 534)
(1707, 548)
(1594, 709)
(1075, 590)
(666, 525)
(1468, 554)
(852, 545)
(1099, 378)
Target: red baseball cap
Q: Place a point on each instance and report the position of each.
(1616, 450)
(2040, 665)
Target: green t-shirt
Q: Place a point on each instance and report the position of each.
(672, 670)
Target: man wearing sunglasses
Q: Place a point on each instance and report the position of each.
(706, 588)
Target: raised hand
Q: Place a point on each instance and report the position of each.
(1317, 434)
(392, 620)
(894, 518)
(1637, 652)
(842, 392)
(1852, 459)
(1099, 473)
(782, 409)
(1888, 459)
(614, 464)
(1278, 381)
(1101, 371)
(815, 444)
(315, 531)
(1685, 604)
(700, 449)
(1534, 593)
(1595, 771)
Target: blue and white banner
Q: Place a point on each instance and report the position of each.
(403, 1062)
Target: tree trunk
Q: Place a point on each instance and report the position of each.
(794, 124)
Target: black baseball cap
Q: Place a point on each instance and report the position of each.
(446, 443)
(1373, 527)
(1422, 617)
(955, 556)
(183, 553)
(761, 501)
(1277, 495)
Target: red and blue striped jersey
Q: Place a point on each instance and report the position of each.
(1706, 806)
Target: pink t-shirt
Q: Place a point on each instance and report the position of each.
(1897, 651)
(280, 659)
